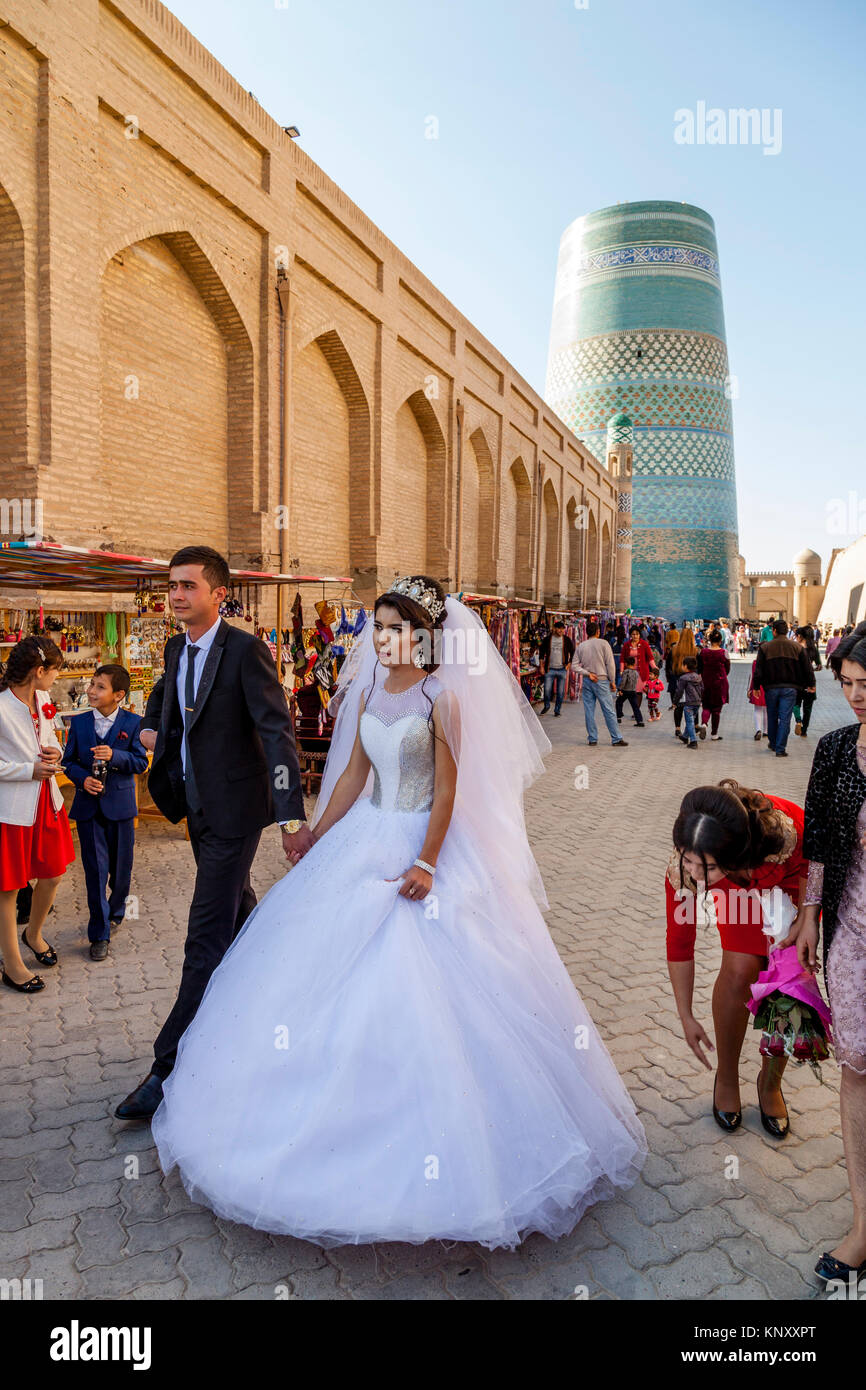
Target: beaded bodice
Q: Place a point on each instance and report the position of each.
(397, 736)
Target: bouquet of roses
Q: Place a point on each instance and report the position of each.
(790, 1010)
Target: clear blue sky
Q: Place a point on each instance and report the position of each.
(547, 111)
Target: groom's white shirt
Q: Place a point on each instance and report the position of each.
(204, 644)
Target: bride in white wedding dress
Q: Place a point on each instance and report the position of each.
(391, 1049)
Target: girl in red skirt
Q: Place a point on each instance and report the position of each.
(35, 839)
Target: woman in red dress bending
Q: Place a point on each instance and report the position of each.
(35, 839)
(731, 846)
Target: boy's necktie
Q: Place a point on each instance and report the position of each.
(192, 797)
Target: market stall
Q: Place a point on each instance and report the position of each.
(101, 607)
(518, 626)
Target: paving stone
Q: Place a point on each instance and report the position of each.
(74, 1199)
(171, 1290)
(469, 1284)
(781, 1279)
(53, 1171)
(825, 1223)
(314, 1284)
(174, 1230)
(205, 1268)
(642, 1244)
(56, 1268)
(777, 1234)
(611, 1272)
(699, 1230)
(42, 1235)
(695, 1194)
(16, 1206)
(695, 1275)
(120, 1279)
(101, 1235)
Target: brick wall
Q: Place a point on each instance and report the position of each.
(146, 203)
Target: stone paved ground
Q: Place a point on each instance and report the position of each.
(73, 1213)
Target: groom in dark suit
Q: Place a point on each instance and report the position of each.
(219, 727)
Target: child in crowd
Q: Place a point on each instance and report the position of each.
(628, 690)
(755, 697)
(654, 690)
(104, 810)
(690, 693)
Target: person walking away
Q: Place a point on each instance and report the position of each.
(766, 634)
(714, 665)
(781, 668)
(556, 653)
(806, 697)
(594, 661)
(675, 666)
(755, 697)
(616, 636)
(832, 644)
(690, 693)
(628, 683)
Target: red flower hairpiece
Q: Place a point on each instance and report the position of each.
(49, 710)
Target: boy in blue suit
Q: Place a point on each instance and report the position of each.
(105, 818)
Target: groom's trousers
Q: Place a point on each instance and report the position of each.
(222, 901)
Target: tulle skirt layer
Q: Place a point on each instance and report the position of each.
(367, 1068)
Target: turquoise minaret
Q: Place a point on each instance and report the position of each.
(638, 325)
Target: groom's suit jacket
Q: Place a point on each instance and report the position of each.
(239, 736)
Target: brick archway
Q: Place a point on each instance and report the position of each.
(331, 517)
(479, 515)
(15, 477)
(437, 561)
(163, 279)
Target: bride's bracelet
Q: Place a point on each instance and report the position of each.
(428, 868)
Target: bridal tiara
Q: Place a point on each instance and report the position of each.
(413, 586)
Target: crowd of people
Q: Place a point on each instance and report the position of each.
(623, 665)
(420, 753)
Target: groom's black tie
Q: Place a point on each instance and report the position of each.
(191, 790)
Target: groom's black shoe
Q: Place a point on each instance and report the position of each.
(141, 1103)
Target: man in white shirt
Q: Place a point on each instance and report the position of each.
(594, 660)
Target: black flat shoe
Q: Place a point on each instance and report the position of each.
(828, 1267)
(728, 1120)
(30, 986)
(141, 1103)
(98, 950)
(775, 1125)
(48, 957)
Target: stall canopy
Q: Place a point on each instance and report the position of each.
(49, 565)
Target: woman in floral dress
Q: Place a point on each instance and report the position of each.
(834, 844)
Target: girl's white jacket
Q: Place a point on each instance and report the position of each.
(19, 750)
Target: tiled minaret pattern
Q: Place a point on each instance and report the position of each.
(638, 326)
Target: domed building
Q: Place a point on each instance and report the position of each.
(795, 595)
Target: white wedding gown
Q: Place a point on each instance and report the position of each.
(367, 1068)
